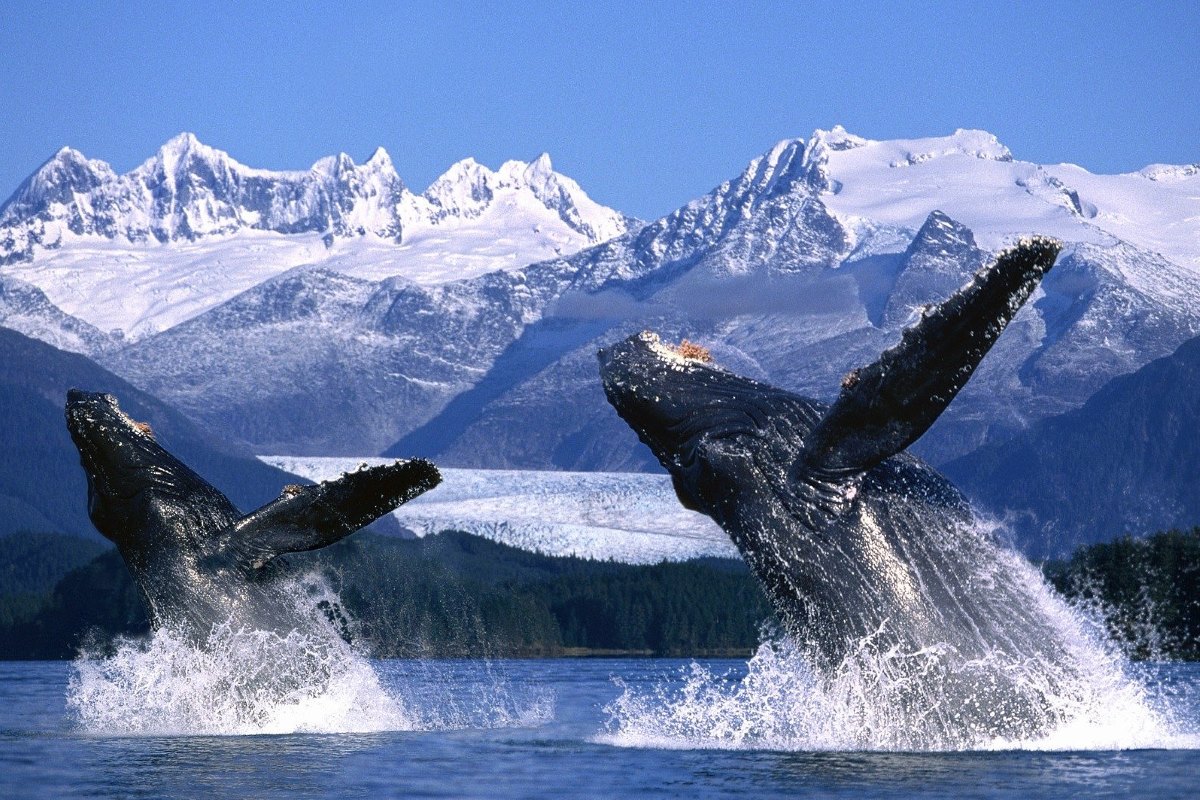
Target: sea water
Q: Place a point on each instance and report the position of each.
(546, 728)
(253, 713)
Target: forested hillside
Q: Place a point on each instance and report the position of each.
(447, 595)
(455, 595)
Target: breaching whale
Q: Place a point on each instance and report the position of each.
(199, 561)
(861, 547)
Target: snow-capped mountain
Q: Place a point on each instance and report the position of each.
(26, 309)
(804, 266)
(191, 227)
(189, 191)
(977, 181)
(810, 263)
(321, 363)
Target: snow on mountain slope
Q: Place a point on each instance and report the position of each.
(24, 308)
(766, 220)
(191, 227)
(319, 362)
(807, 264)
(139, 290)
(812, 261)
(629, 517)
(1156, 208)
(973, 178)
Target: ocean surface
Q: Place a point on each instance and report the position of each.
(151, 724)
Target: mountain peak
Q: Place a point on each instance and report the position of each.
(179, 147)
(942, 230)
(532, 173)
(517, 173)
(57, 180)
(1169, 172)
(380, 160)
(66, 153)
(183, 154)
(68, 164)
(836, 138)
(181, 141)
(538, 175)
(963, 142)
(462, 190)
(464, 166)
(765, 173)
(468, 189)
(333, 166)
(815, 165)
(188, 190)
(981, 144)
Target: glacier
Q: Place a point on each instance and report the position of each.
(633, 518)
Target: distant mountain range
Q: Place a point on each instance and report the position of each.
(336, 312)
(1127, 461)
(810, 263)
(42, 487)
(191, 227)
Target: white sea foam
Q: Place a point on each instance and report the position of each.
(782, 703)
(245, 681)
(882, 699)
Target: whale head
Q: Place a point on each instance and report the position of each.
(822, 501)
(131, 477)
(713, 430)
(119, 454)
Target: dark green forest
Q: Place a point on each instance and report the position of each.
(448, 595)
(460, 595)
(1147, 589)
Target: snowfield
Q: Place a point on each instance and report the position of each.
(973, 178)
(191, 227)
(633, 518)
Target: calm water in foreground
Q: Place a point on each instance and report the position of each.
(540, 729)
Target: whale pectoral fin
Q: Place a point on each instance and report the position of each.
(885, 407)
(310, 517)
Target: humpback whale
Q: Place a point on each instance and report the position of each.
(197, 560)
(861, 547)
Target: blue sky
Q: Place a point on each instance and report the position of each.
(647, 105)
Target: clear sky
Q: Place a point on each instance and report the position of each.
(647, 104)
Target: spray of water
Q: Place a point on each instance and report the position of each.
(246, 681)
(881, 697)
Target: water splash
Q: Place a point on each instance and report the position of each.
(243, 681)
(882, 698)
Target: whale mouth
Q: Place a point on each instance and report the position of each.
(87, 410)
(701, 421)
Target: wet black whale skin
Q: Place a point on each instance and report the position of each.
(197, 559)
(847, 534)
